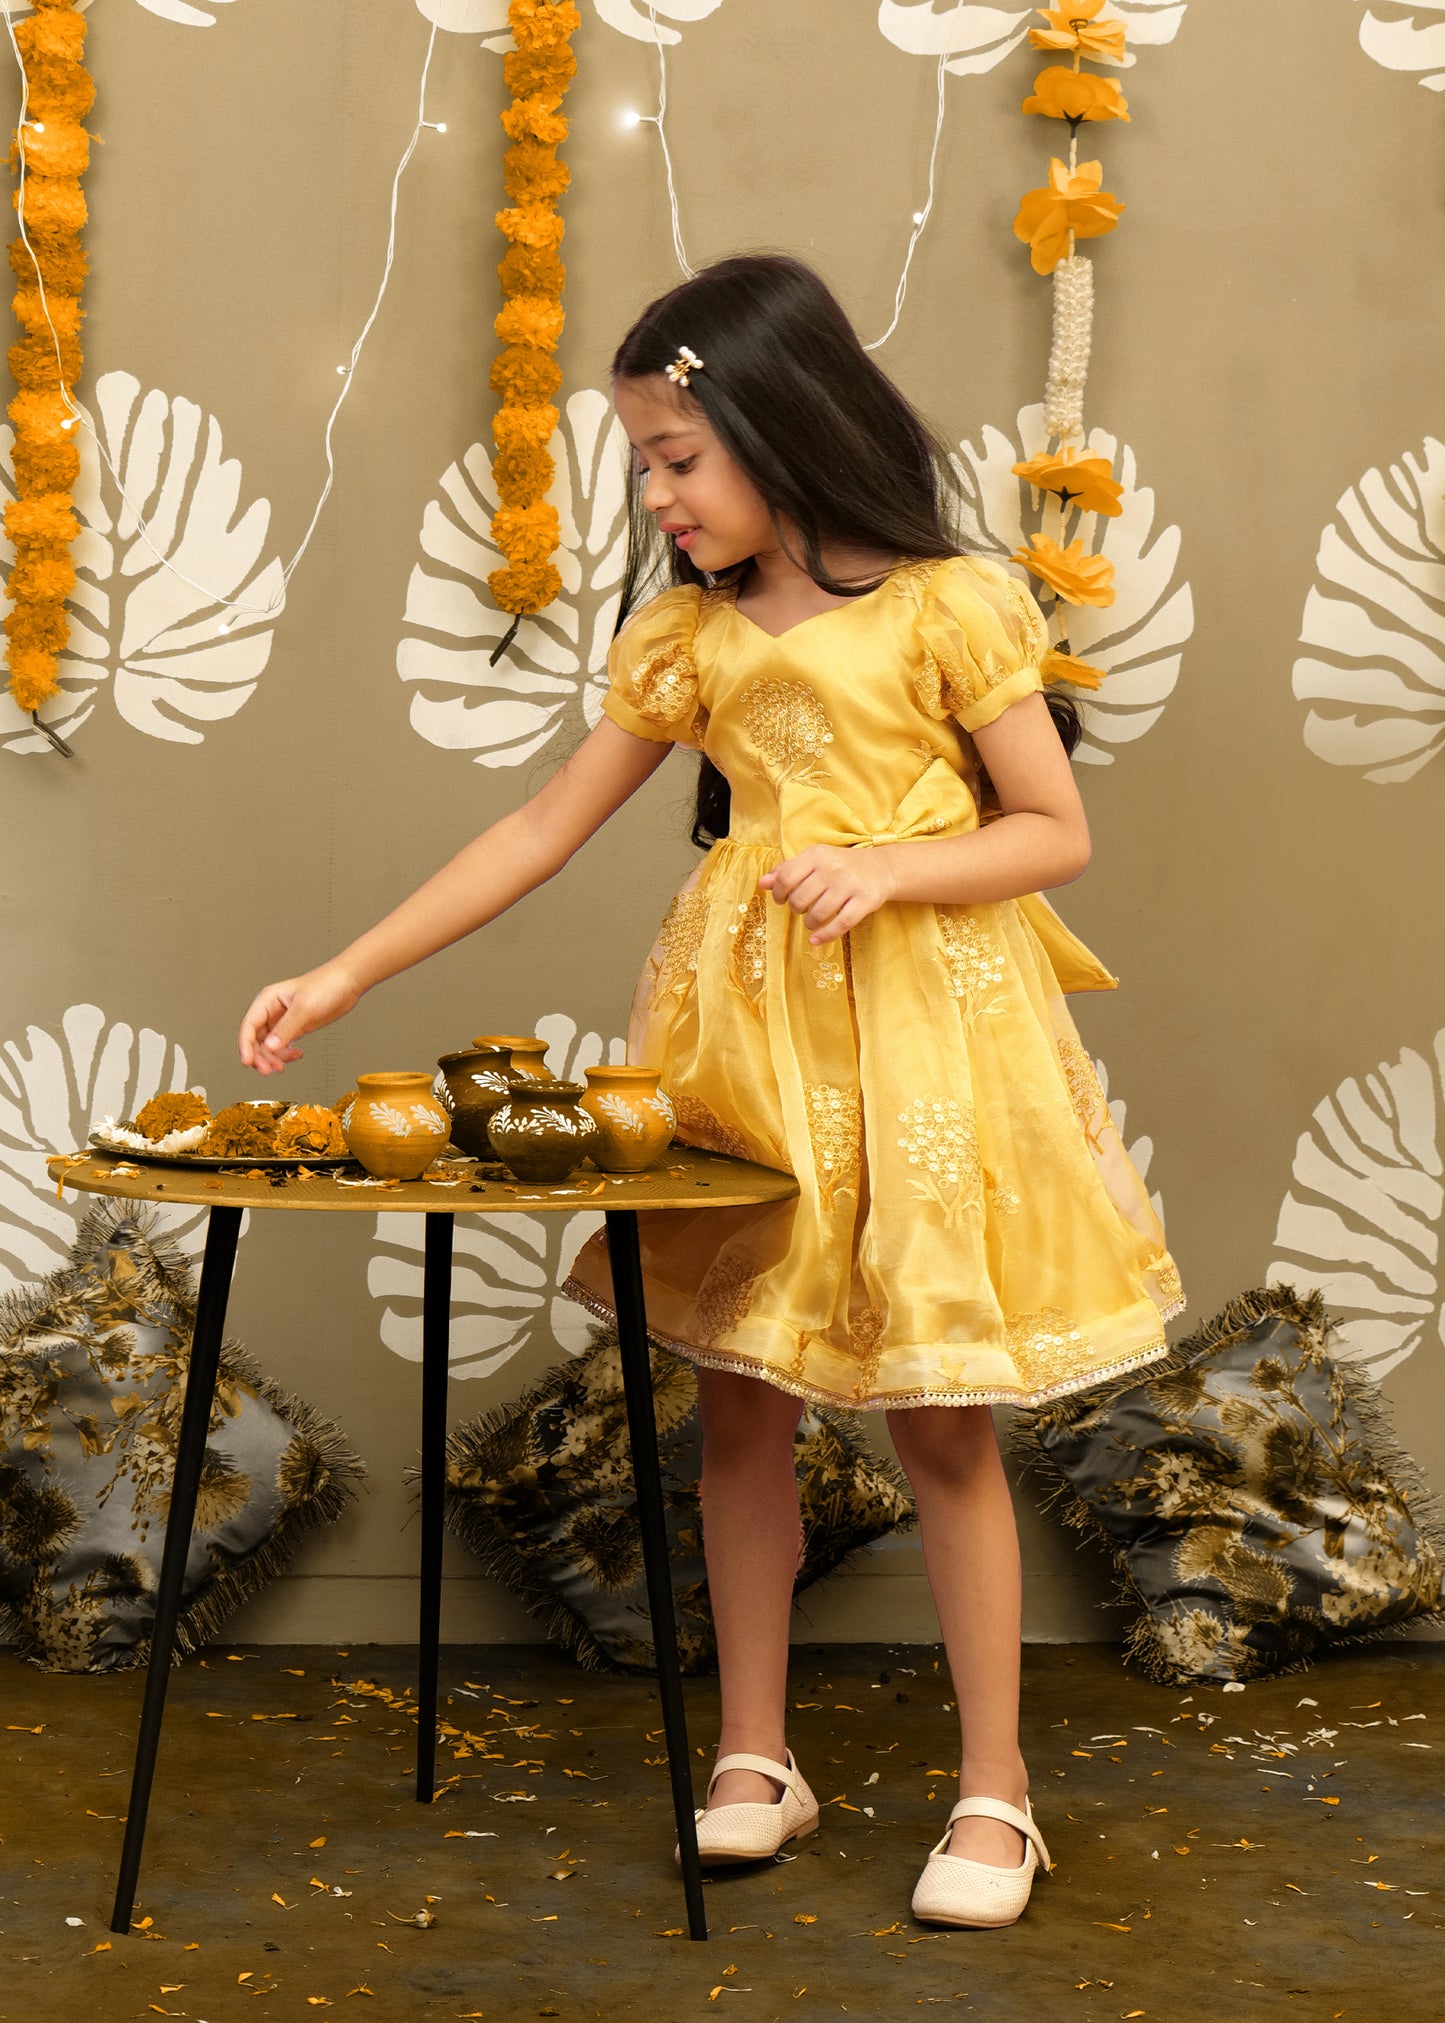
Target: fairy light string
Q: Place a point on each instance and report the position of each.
(71, 413)
(658, 119)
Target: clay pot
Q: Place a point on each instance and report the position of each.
(396, 1126)
(478, 1081)
(635, 1120)
(525, 1050)
(542, 1131)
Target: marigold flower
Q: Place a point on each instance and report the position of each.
(1073, 203)
(530, 116)
(1075, 26)
(61, 257)
(525, 587)
(48, 577)
(1077, 577)
(30, 310)
(532, 173)
(526, 533)
(1059, 666)
(33, 361)
(525, 374)
(542, 24)
(44, 467)
(540, 73)
(41, 416)
(1084, 481)
(532, 225)
(47, 520)
(61, 149)
(522, 474)
(52, 34)
(530, 319)
(1076, 94)
(52, 203)
(33, 672)
(517, 427)
(43, 625)
(531, 270)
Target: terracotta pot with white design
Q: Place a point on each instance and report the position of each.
(635, 1120)
(396, 1126)
(542, 1131)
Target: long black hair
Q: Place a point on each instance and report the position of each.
(839, 456)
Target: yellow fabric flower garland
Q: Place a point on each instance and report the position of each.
(526, 374)
(40, 521)
(1073, 205)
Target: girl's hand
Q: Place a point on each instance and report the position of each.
(285, 1012)
(832, 888)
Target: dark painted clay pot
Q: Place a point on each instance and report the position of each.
(525, 1051)
(478, 1081)
(542, 1131)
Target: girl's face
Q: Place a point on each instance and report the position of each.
(699, 495)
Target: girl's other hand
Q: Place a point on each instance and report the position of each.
(285, 1012)
(832, 888)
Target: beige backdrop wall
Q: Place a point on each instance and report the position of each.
(1263, 774)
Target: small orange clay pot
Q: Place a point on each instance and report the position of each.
(478, 1082)
(396, 1126)
(525, 1049)
(542, 1131)
(635, 1120)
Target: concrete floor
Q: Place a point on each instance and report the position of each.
(1220, 1855)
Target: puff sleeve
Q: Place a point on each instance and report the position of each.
(983, 641)
(652, 674)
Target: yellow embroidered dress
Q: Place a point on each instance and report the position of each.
(970, 1228)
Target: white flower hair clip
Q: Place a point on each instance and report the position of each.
(683, 366)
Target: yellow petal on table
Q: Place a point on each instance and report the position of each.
(362, 1989)
(1104, 1927)
(804, 1918)
(282, 1902)
(103, 1947)
(320, 1841)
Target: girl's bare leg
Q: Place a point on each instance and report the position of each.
(750, 1534)
(971, 1552)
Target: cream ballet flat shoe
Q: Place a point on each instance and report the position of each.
(956, 1891)
(755, 1832)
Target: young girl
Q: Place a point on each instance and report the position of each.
(860, 985)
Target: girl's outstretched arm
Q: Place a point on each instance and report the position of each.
(503, 864)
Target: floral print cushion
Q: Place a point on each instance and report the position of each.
(92, 1373)
(541, 1491)
(1251, 1494)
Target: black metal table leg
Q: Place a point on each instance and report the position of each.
(626, 1261)
(221, 1233)
(436, 1314)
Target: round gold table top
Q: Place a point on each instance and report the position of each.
(685, 1179)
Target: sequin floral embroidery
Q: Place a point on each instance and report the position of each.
(835, 1126)
(1085, 1093)
(679, 942)
(698, 1125)
(1046, 1346)
(938, 1138)
(789, 728)
(867, 1329)
(975, 962)
(748, 964)
(723, 1299)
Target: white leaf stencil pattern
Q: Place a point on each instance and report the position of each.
(505, 714)
(979, 38)
(487, 18)
(1377, 609)
(1407, 35)
(133, 623)
(182, 12)
(1362, 1220)
(53, 1091)
(1138, 638)
(632, 17)
(507, 1270)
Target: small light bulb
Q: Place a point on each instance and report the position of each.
(69, 422)
(225, 624)
(35, 125)
(342, 370)
(630, 118)
(918, 217)
(441, 126)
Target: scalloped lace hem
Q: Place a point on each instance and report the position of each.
(890, 1401)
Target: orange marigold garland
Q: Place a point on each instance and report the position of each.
(526, 374)
(46, 362)
(1051, 220)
